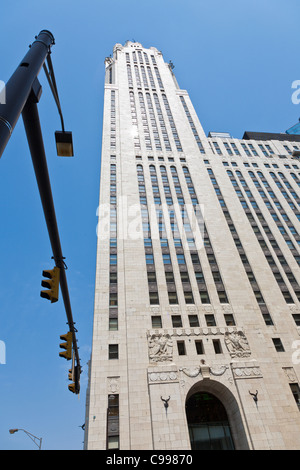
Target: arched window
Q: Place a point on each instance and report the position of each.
(208, 423)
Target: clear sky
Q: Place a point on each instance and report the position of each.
(237, 59)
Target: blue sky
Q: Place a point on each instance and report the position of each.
(237, 59)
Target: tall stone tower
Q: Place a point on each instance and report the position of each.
(197, 317)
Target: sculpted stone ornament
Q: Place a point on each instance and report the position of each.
(204, 369)
(160, 347)
(237, 344)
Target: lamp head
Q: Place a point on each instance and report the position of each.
(12, 431)
(64, 143)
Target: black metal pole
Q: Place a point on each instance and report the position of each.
(19, 86)
(35, 140)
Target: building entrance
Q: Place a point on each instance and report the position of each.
(208, 423)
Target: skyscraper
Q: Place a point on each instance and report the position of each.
(197, 316)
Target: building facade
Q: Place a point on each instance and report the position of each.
(197, 316)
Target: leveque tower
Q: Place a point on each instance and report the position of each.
(197, 299)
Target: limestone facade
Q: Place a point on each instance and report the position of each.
(149, 357)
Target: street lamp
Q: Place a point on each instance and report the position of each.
(32, 437)
(64, 144)
(22, 94)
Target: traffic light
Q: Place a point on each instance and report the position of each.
(74, 376)
(52, 284)
(68, 338)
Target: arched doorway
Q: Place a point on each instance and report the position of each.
(208, 423)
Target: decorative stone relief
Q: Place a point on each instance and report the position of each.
(246, 372)
(294, 308)
(237, 344)
(113, 385)
(205, 370)
(155, 377)
(160, 347)
(155, 310)
(108, 61)
(290, 373)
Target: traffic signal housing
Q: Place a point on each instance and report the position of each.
(74, 376)
(51, 283)
(67, 345)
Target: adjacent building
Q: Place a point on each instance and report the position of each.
(197, 299)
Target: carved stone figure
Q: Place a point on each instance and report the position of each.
(160, 347)
(237, 344)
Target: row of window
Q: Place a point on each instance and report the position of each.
(192, 125)
(141, 56)
(140, 71)
(276, 272)
(176, 233)
(255, 165)
(250, 149)
(113, 349)
(282, 221)
(207, 244)
(113, 120)
(256, 290)
(113, 274)
(158, 125)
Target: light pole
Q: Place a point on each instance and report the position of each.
(32, 437)
(23, 92)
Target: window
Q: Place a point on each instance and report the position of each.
(223, 297)
(177, 243)
(173, 298)
(156, 321)
(217, 346)
(149, 258)
(204, 297)
(278, 344)
(296, 393)
(151, 276)
(169, 277)
(113, 299)
(199, 276)
(195, 258)
(210, 320)
(296, 317)
(288, 298)
(148, 242)
(113, 419)
(153, 298)
(184, 276)
(188, 296)
(180, 258)
(181, 348)
(113, 278)
(229, 319)
(166, 259)
(176, 321)
(113, 351)
(113, 324)
(199, 346)
(113, 259)
(194, 321)
(113, 242)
